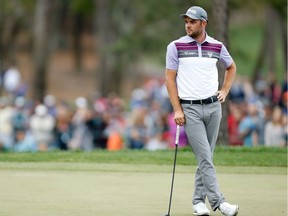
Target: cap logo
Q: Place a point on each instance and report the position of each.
(193, 11)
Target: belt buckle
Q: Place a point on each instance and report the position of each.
(201, 102)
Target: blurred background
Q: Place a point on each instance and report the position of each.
(106, 58)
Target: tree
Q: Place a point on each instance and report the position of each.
(43, 45)
(220, 15)
(276, 22)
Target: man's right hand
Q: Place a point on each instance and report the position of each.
(179, 117)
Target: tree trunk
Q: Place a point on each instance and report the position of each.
(220, 23)
(46, 33)
(101, 34)
(41, 48)
(77, 42)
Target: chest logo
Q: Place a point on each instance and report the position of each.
(210, 54)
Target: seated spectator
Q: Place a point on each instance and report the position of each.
(137, 131)
(24, 142)
(285, 131)
(248, 126)
(20, 117)
(284, 103)
(63, 128)
(41, 126)
(274, 130)
(82, 138)
(6, 130)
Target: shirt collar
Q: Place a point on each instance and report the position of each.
(189, 39)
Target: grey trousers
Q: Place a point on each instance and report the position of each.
(202, 127)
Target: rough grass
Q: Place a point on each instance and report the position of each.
(224, 156)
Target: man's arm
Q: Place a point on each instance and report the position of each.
(170, 78)
(228, 80)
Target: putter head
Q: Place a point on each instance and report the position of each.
(167, 215)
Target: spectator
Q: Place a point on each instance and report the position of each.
(116, 123)
(285, 130)
(82, 138)
(24, 142)
(284, 103)
(41, 126)
(274, 130)
(6, 130)
(63, 128)
(12, 81)
(248, 126)
(20, 117)
(234, 118)
(137, 132)
(50, 103)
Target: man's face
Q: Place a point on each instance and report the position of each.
(194, 28)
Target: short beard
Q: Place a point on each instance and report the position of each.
(195, 35)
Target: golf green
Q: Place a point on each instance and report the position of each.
(89, 189)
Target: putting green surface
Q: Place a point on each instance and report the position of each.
(90, 189)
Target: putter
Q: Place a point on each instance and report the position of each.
(175, 157)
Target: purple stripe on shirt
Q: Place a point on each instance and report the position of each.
(212, 47)
(186, 46)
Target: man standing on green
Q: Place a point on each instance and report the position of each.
(192, 83)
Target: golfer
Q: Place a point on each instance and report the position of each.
(192, 83)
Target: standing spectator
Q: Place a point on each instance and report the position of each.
(233, 121)
(274, 130)
(41, 126)
(12, 81)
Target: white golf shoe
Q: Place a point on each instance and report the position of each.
(201, 209)
(228, 209)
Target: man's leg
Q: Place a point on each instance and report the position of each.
(205, 178)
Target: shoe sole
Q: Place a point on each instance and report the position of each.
(203, 214)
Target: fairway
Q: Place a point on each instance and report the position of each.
(89, 189)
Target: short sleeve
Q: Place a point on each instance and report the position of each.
(225, 57)
(172, 57)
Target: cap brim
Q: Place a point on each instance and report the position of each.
(186, 15)
(192, 17)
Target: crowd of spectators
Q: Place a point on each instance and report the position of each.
(257, 116)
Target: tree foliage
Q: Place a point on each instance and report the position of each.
(133, 30)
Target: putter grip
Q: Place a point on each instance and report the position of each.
(177, 135)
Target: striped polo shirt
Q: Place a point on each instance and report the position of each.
(197, 74)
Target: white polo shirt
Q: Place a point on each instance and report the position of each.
(197, 74)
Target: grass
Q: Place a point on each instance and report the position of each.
(137, 182)
(224, 156)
